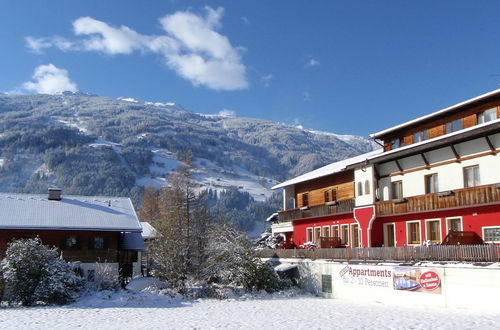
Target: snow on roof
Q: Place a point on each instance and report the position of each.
(148, 231)
(36, 212)
(329, 169)
(434, 114)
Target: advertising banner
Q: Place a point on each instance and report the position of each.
(413, 279)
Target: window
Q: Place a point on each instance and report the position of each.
(433, 231)
(397, 190)
(97, 242)
(327, 196)
(487, 115)
(491, 234)
(360, 188)
(335, 231)
(420, 136)
(326, 283)
(431, 183)
(413, 232)
(317, 235)
(453, 126)
(367, 187)
(397, 143)
(471, 176)
(71, 242)
(345, 234)
(454, 224)
(309, 234)
(326, 231)
(355, 235)
(305, 199)
(291, 203)
(334, 194)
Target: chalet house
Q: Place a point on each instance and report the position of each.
(434, 174)
(87, 230)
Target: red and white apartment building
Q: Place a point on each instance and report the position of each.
(437, 173)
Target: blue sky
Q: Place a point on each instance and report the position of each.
(349, 67)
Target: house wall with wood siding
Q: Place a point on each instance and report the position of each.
(84, 252)
(342, 182)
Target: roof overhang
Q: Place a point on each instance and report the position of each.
(481, 99)
(478, 131)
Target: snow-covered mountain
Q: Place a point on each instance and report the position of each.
(94, 145)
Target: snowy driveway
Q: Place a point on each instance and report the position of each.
(288, 313)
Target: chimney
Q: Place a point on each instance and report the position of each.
(54, 194)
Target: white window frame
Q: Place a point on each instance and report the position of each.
(323, 231)
(488, 227)
(338, 230)
(386, 238)
(452, 218)
(351, 233)
(427, 229)
(312, 234)
(342, 238)
(408, 232)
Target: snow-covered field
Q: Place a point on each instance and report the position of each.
(147, 310)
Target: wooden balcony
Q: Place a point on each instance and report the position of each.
(467, 253)
(340, 206)
(443, 200)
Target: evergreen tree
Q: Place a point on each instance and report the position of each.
(178, 252)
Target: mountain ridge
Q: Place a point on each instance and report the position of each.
(90, 144)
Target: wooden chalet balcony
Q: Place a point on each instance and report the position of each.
(340, 206)
(442, 200)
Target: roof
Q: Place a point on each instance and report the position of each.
(148, 231)
(36, 212)
(495, 93)
(329, 169)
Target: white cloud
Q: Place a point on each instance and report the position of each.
(49, 79)
(312, 62)
(191, 46)
(107, 39)
(266, 80)
(245, 20)
(227, 113)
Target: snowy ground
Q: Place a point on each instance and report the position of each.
(145, 310)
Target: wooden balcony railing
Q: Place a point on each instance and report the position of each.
(429, 202)
(341, 206)
(468, 253)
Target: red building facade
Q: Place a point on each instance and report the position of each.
(434, 174)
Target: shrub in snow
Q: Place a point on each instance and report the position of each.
(231, 260)
(34, 273)
(104, 278)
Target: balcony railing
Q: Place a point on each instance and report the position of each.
(468, 253)
(443, 200)
(340, 206)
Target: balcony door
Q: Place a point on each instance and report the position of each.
(389, 235)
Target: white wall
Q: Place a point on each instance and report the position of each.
(288, 192)
(462, 286)
(362, 175)
(450, 176)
